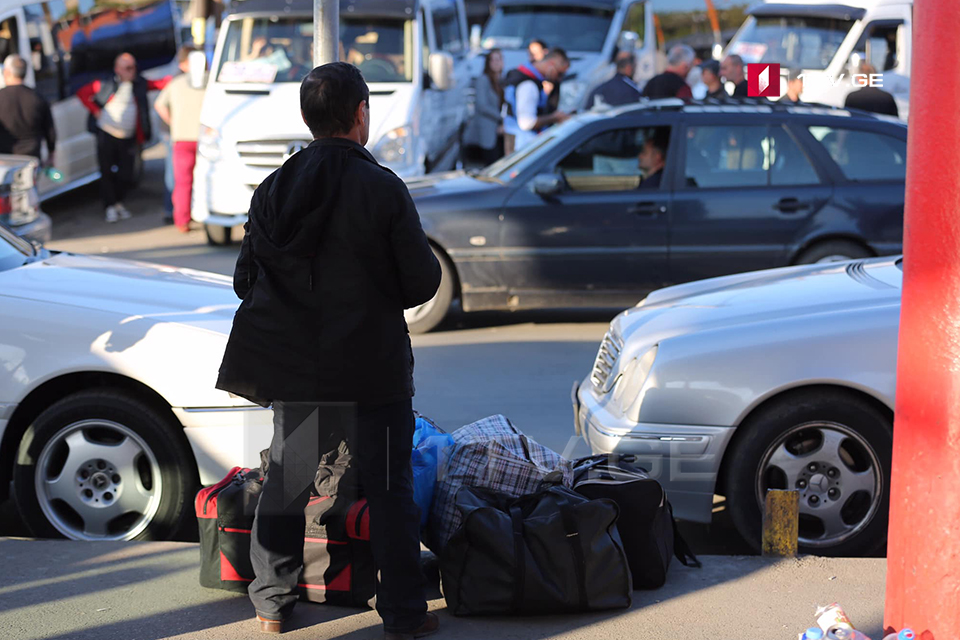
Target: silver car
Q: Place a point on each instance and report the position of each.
(769, 380)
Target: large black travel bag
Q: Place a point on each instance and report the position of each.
(337, 559)
(549, 552)
(646, 525)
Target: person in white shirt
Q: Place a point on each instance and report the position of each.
(120, 117)
(525, 109)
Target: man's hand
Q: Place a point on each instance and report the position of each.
(560, 117)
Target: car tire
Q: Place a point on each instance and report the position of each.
(786, 433)
(834, 251)
(426, 317)
(102, 465)
(217, 235)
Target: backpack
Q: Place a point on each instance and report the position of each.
(553, 551)
(646, 525)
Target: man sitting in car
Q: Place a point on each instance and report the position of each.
(653, 157)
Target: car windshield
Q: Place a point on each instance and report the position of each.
(792, 41)
(507, 168)
(573, 28)
(270, 50)
(14, 252)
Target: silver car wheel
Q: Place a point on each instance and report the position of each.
(98, 480)
(837, 473)
(414, 314)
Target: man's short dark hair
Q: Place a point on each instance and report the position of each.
(329, 97)
(626, 59)
(659, 139)
(557, 54)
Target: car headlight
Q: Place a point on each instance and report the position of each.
(635, 374)
(208, 143)
(395, 147)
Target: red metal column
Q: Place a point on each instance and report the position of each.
(923, 561)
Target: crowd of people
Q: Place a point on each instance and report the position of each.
(513, 106)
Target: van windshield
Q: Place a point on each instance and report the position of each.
(269, 50)
(574, 28)
(804, 42)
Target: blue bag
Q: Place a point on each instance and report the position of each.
(431, 445)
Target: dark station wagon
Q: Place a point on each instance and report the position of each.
(747, 185)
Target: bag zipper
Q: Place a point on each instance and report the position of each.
(220, 486)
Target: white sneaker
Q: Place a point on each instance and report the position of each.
(112, 214)
(122, 211)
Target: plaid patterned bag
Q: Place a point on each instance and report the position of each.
(491, 454)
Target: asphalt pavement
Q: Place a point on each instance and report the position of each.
(519, 364)
(59, 590)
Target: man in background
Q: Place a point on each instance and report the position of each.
(653, 158)
(731, 70)
(537, 50)
(179, 105)
(710, 74)
(25, 118)
(672, 83)
(873, 99)
(794, 86)
(526, 109)
(621, 89)
(120, 118)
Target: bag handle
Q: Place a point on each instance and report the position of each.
(579, 562)
(519, 556)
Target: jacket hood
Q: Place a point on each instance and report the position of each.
(291, 208)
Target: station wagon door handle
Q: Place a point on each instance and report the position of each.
(791, 205)
(647, 209)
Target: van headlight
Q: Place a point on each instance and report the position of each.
(634, 376)
(395, 147)
(208, 143)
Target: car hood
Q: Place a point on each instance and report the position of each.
(765, 296)
(125, 288)
(447, 183)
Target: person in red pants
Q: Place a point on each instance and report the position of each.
(179, 106)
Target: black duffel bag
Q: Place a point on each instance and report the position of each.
(647, 529)
(549, 552)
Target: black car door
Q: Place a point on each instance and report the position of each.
(582, 231)
(746, 189)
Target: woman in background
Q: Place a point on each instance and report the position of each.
(481, 137)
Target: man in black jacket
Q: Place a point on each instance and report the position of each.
(332, 255)
(25, 118)
(870, 98)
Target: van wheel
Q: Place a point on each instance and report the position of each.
(218, 236)
(425, 317)
(101, 465)
(832, 447)
(833, 251)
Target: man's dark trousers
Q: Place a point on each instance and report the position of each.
(381, 439)
(118, 162)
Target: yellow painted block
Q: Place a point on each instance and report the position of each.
(781, 523)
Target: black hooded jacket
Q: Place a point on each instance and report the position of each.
(332, 254)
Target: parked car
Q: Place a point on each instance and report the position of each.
(19, 202)
(780, 379)
(412, 54)
(109, 419)
(824, 38)
(69, 44)
(562, 222)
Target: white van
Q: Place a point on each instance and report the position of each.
(591, 32)
(68, 44)
(824, 38)
(411, 52)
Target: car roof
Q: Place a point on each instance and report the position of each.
(599, 4)
(757, 106)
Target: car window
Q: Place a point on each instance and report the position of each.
(864, 155)
(610, 161)
(878, 46)
(789, 165)
(726, 157)
(446, 27)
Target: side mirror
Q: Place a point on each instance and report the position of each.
(441, 71)
(197, 61)
(547, 184)
(476, 35)
(628, 41)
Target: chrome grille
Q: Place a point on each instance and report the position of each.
(606, 360)
(268, 153)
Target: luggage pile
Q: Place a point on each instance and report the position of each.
(519, 530)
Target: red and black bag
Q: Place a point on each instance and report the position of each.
(337, 558)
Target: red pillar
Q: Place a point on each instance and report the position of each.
(923, 560)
